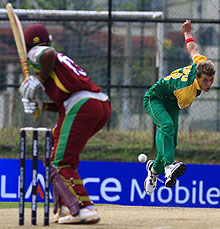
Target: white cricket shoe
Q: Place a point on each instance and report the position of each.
(62, 211)
(150, 182)
(86, 216)
(172, 172)
(89, 216)
(69, 219)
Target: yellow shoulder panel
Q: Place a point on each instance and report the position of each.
(198, 58)
(185, 96)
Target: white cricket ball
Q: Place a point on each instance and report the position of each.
(142, 158)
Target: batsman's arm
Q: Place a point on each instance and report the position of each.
(190, 42)
(47, 63)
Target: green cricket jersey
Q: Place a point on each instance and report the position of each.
(179, 88)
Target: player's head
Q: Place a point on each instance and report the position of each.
(36, 34)
(205, 74)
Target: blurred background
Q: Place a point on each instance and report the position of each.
(124, 46)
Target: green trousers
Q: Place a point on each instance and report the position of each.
(166, 119)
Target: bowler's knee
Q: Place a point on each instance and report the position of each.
(168, 128)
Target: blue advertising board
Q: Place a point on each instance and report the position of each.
(122, 183)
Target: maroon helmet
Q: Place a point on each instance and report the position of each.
(35, 34)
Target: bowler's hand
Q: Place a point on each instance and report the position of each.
(187, 26)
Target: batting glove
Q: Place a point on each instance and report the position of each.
(29, 87)
(30, 107)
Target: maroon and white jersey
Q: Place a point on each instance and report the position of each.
(65, 79)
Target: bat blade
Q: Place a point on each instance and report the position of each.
(19, 39)
(20, 42)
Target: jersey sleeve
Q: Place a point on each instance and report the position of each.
(198, 58)
(35, 53)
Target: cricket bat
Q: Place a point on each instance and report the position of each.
(20, 42)
(19, 39)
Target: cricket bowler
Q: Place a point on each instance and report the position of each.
(164, 100)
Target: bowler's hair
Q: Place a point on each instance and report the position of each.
(205, 67)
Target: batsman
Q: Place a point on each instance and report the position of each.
(164, 100)
(83, 111)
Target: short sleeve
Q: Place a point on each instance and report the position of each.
(35, 53)
(198, 58)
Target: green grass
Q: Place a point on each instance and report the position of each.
(27, 204)
(16, 204)
(197, 147)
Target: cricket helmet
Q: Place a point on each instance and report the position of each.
(35, 34)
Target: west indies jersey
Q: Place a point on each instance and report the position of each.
(180, 88)
(65, 79)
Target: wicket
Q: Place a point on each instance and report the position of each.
(34, 173)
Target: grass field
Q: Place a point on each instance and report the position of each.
(199, 147)
(16, 204)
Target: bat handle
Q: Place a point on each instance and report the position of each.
(36, 113)
(25, 69)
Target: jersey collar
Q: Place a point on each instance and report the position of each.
(197, 84)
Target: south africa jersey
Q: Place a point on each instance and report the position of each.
(179, 88)
(65, 79)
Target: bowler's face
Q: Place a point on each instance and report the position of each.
(205, 82)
